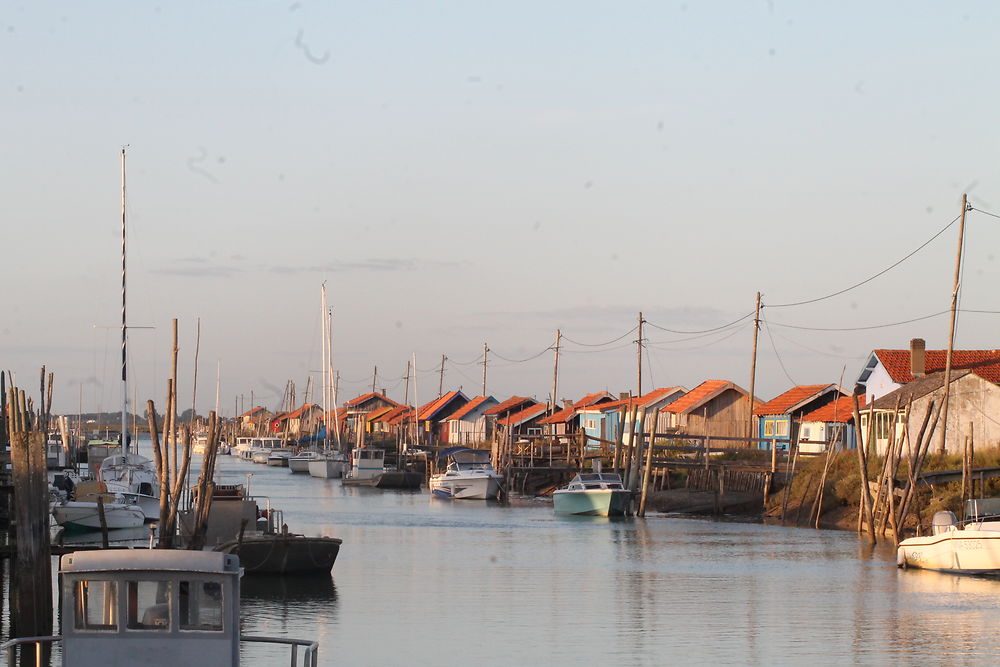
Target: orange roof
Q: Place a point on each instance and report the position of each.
(567, 413)
(787, 401)
(706, 391)
(376, 413)
(508, 405)
(840, 410)
(401, 417)
(390, 414)
(367, 397)
(300, 411)
(527, 414)
(429, 409)
(985, 363)
(643, 401)
(252, 411)
(469, 407)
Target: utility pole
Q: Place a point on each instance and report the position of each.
(638, 391)
(951, 326)
(753, 368)
(486, 351)
(555, 373)
(441, 378)
(374, 376)
(406, 390)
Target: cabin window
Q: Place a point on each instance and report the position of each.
(590, 423)
(148, 605)
(782, 427)
(534, 430)
(768, 427)
(201, 605)
(96, 606)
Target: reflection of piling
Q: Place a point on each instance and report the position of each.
(32, 576)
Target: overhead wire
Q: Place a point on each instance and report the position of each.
(776, 353)
(868, 328)
(613, 340)
(520, 361)
(702, 331)
(973, 208)
(871, 278)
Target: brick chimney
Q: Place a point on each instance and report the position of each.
(918, 357)
(567, 403)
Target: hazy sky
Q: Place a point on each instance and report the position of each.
(470, 172)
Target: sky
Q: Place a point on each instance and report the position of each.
(461, 173)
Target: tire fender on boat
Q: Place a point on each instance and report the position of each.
(900, 558)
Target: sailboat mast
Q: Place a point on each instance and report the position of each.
(325, 365)
(124, 325)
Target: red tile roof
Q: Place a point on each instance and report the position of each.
(252, 411)
(706, 391)
(840, 410)
(403, 416)
(524, 415)
(469, 407)
(428, 410)
(390, 414)
(300, 411)
(985, 363)
(367, 397)
(643, 401)
(782, 403)
(567, 413)
(510, 404)
(376, 413)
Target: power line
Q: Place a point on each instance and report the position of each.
(868, 280)
(607, 349)
(677, 331)
(973, 208)
(614, 340)
(728, 335)
(520, 361)
(875, 326)
(777, 356)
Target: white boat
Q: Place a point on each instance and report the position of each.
(969, 547)
(242, 445)
(154, 607)
(279, 456)
(260, 446)
(200, 445)
(134, 476)
(86, 515)
(469, 474)
(300, 462)
(328, 466)
(593, 494)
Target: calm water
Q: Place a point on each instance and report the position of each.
(423, 581)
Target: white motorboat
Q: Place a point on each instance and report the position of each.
(593, 494)
(86, 515)
(279, 456)
(134, 476)
(469, 475)
(155, 607)
(260, 446)
(300, 462)
(328, 466)
(969, 547)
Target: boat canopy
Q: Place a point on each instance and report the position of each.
(465, 454)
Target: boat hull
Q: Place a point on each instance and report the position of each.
(390, 479)
(85, 515)
(326, 468)
(297, 464)
(597, 502)
(284, 554)
(482, 487)
(958, 551)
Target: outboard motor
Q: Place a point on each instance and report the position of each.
(943, 522)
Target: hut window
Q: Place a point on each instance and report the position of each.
(201, 605)
(768, 427)
(782, 427)
(590, 423)
(148, 605)
(96, 606)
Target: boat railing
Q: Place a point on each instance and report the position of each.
(310, 654)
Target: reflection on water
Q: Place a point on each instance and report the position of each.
(421, 580)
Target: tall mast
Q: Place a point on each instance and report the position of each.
(638, 348)
(325, 365)
(486, 351)
(555, 372)
(124, 326)
(951, 326)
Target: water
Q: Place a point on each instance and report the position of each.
(421, 580)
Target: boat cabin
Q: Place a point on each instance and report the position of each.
(180, 606)
(464, 458)
(367, 463)
(588, 481)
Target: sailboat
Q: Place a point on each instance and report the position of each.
(125, 473)
(331, 463)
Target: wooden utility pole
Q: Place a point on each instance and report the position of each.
(441, 378)
(486, 351)
(951, 325)
(374, 377)
(555, 372)
(638, 345)
(406, 386)
(753, 370)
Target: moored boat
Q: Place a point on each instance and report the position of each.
(300, 462)
(284, 553)
(279, 456)
(593, 494)
(469, 475)
(328, 466)
(368, 469)
(969, 547)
